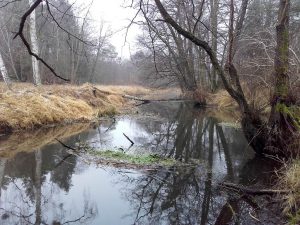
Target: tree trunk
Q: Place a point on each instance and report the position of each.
(214, 41)
(281, 121)
(35, 47)
(276, 136)
(2, 171)
(4, 73)
(38, 187)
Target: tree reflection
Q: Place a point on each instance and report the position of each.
(30, 182)
(190, 195)
(33, 183)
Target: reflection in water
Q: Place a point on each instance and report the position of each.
(49, 186)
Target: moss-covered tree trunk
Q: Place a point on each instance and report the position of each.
(281, 122)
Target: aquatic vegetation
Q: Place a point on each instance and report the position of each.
(142, 160)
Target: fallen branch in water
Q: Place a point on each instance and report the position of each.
(143, 100)
(66, 146)
(63, 160)
(132, 143)
(244, 190)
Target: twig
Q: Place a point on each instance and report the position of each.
(253, 217)
(66, 146)
(132, 143)
(63, 160)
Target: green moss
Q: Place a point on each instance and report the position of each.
(294, 219)
(292, 111)
(144, 160)
(282, 89)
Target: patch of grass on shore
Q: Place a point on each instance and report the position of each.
(290, 180)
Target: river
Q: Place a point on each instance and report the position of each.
(42, 184)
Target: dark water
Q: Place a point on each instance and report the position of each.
(47, 186)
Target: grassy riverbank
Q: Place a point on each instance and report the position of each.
(28, 107)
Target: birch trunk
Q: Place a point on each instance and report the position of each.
(4, 72)
(38, 187)
(2, 170)
(35, 47)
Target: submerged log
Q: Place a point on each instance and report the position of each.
(249, 191)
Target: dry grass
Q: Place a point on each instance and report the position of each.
(147, 93)
(222, 99)
(128, 90)
(289, 180)
(259, 98)
(27, 106)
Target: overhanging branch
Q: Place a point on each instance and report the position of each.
(27, 45)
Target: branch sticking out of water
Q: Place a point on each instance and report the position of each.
(66, 146)
(132, 143)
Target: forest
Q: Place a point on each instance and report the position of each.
(199, 124)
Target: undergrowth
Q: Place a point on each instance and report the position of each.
(289, 180)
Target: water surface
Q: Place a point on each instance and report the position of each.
(45, 185)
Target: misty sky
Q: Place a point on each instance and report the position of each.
(117, 17)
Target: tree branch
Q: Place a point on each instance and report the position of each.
(21, 35)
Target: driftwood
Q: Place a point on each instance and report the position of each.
(146, 101)
(249, 191)
(143, 100)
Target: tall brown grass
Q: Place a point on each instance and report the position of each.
(27, 106)
(289, 180)
(258, 98)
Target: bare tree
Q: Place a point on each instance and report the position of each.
(35, 47)
(4, 73)
(256, 131)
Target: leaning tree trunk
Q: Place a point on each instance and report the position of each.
(35, 47)
(281, 127)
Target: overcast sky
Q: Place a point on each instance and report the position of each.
(117, 17)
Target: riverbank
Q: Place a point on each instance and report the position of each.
(27, 107)
(289, 180)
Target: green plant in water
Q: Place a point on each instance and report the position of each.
(145, 160)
